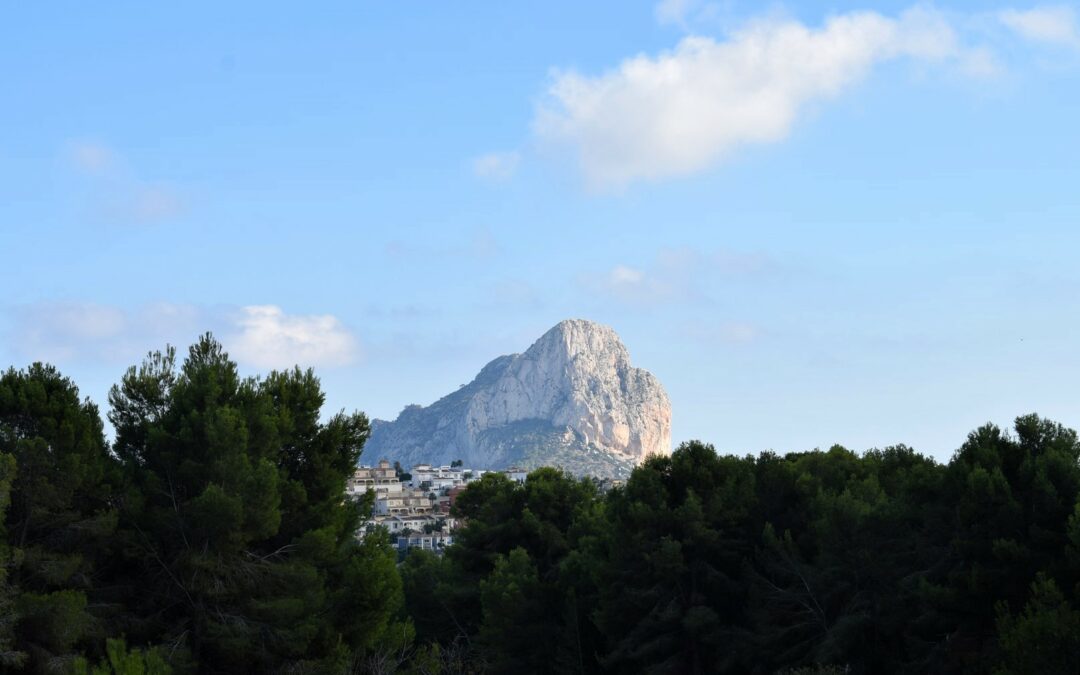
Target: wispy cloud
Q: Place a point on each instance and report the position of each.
(153, 203)
(121, 194)
(260, 336)
(683, 111)
(496, 166)
(723, 332)
(685, 13)
(635, 286)
(674, 276)
(674, 11)
(69, 332)
(1056, 25)
(513, 295)
(91, 157)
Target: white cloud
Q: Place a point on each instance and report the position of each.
(683, 110)
(1051, 24)
(496, 165)
(261, 336)
(621, 275)
(266, 337)
(634, 286)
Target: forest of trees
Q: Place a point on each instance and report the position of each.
(212, 535)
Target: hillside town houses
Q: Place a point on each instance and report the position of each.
(415, 512)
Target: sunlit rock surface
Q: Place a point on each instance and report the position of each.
(571, 400)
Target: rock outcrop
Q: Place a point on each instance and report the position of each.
(571, 400)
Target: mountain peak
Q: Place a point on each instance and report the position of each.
(571, 399)
(577, 326)
(579, 335)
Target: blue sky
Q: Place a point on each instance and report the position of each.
(816, 223)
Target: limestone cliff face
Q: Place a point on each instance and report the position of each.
(572, 399)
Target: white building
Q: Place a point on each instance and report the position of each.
(418, 509)
(516, 474)
(381, 479)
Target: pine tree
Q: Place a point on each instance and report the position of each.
(519, 628)
(10, 657)
(120, 660)
(242, 555)
(60, 516)
(673, 597)
(1044, 638)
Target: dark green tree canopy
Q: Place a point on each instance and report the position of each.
(60, 515)
(239, 538)
(215, 536)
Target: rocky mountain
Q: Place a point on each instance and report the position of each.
(571, 400)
